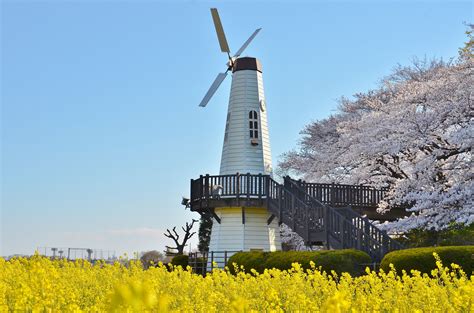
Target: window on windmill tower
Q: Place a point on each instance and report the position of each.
(253, 124)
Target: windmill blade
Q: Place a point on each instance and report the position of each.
(220, 31)
(217, 82)
(246, 43)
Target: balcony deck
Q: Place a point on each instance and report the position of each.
(246, 190)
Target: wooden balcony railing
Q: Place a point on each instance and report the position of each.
(343, 195)
(229, 186)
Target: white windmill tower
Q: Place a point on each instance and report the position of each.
(246, 149)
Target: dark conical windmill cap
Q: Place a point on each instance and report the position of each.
(247, 63)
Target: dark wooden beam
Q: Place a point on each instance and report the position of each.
(243, 215)
(218, 219)
(270, 219)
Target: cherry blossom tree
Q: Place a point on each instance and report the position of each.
(413, 134)
(293, 241)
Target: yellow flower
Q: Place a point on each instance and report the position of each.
(39, 284)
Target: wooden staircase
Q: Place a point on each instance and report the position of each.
(316, 222)
(338, 228)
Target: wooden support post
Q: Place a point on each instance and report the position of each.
(359, 238)
(206, 186)
(206, 189)
(237, 181)
(216, 217)
(247, 186)
(200, 191)
(243, 215)
(308, 219)
(340, 227)
(212, 260)
(368, 235)
(279, 195)
(333, 194)
(293, 212)
(327, 225)
(384, 243)
(270, 219)
(267, 182)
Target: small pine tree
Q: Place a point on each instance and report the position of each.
(205, 227)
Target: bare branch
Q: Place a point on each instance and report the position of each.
(175, 236)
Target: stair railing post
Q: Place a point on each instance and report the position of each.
(279, 195)
(293, 211)
(368, 235)
(206, 186)
(307, 222)
(301, 191)
(359, 238)
(267, 183)
(327, 225)
(206, 189)
(212, 260)
(384, 243)
(201, 178)
(341, 231)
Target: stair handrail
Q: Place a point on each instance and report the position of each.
(393, 244)
(271, 180)
(306, 206)
(372, 226)
(326, 211)
(311, 198)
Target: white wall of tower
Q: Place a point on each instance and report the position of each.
(238, 155)
(236, 233)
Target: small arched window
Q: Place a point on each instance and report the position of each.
(253, 124)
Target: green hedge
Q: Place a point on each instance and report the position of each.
(453, 235)
(182, 260)
(351, 261)
(422, 259)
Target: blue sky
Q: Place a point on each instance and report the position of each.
(101, 129)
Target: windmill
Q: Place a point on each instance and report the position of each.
(246, 149)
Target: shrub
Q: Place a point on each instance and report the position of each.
(180, 259)
(422, 259)
(340, 261)
(151, 258)
(453, 235)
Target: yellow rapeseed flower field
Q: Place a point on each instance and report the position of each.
(41, 285)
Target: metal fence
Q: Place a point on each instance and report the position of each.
(203, 262)
(71, 253)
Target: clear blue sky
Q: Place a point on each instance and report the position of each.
(101, 129)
